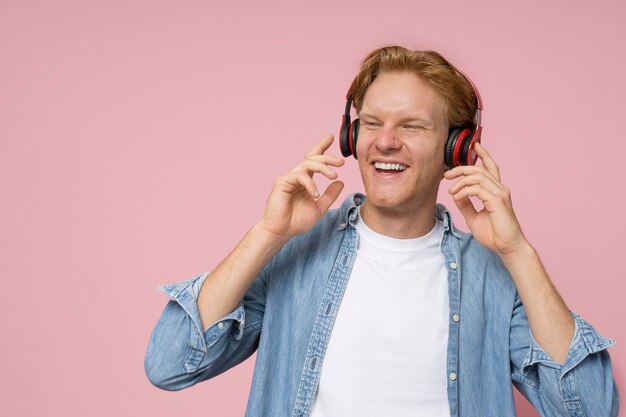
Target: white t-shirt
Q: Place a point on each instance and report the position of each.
(388, 348)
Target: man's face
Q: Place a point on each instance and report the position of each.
(403, 124)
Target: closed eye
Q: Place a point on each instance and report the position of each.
(370, 124)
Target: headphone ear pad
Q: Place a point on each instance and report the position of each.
(448, 155)
(344, 136)
(354, 134)
(459, 147)
(469, 153)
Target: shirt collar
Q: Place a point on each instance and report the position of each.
(348, 213)
(442, 213)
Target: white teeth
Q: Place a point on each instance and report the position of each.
(387, 167)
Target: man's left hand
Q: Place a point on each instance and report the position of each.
(495, 226)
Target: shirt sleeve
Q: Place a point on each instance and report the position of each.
(180, 354)
(582, 386)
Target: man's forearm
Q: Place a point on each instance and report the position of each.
(227, 284)
(550, 321)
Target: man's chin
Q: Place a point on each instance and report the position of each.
(386, 203)
(394, 203)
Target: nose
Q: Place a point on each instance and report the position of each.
(388, 140)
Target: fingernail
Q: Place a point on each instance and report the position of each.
(316, 194)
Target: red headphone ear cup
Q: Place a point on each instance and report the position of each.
(345, 136)
(461, 146)
(354, 134)
(472, 156)
(448, 155)
(469, 154)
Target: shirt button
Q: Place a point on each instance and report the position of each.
(453, 265)
(456, 318)
(220, 325)
(452, 376)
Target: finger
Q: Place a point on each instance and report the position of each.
(332, 160)
(330, 196)
(300, 179)
(308, 183)
(487, 160)
(469, 170)
(466, 208)
(321, 147)
(485, 181)
(490, 201)
(473, 191)
(311, 167)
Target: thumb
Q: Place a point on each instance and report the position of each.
(466, 208)
(329, 196)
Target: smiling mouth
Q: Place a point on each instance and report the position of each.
(383, 167)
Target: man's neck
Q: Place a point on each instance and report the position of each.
(398, 223)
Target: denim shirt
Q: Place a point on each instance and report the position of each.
(288, 312)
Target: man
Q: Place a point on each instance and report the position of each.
(382, 307)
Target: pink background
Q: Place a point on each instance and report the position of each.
(139, 140)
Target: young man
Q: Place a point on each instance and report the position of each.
(382, 307)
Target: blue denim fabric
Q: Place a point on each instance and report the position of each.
(289, 311)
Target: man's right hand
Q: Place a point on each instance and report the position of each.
(294, 205)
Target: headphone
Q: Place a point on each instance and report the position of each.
(459, 149)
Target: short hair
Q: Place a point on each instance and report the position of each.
(457, 91)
